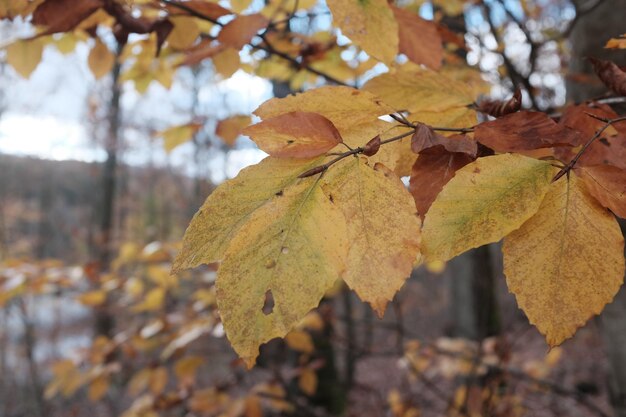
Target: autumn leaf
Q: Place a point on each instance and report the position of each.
(420, 90)
(278, 266)
(100, 60)
(205, 8)
(419, 39)
(432, 170)
(383, 229)
(485, 201)
(369, 24)
(577, 117)
(295, 135)
(239, 31)
(497, 108)
(63, 15)
(425, 138)
(230, 205)
(345, 107)
(610, 74)
(24, 56)
(524, 130)
(608, 185)
(566, 262)
(226, 62)
(184, 33)
(230, 128)
(177, 135)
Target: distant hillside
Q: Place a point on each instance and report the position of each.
(51, 208)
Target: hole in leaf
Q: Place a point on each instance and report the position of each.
(289, 142)
(270, 264)
(332, 200)
(268, 304)
(284, 250)
(279, 194)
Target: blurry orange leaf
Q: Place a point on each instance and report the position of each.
(158, 380)
(307, 381)
(239, 31)
(177, 135)
(611, 75)
(93, 298)
(300, 341)
(24, 56)
(186, 368)
(420, 40)
(100, 60)
(230, 128)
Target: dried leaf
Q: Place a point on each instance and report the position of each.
(295, 135)
(611, 75)
(498, 108)
(100, 60)
(524, 130)
(420, 40)
(230, 128)
(239, 31)
(608, 185)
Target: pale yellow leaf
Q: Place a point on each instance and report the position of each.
(420, 90)
(93, 298)
(368, 23)
(226, 62)
(279, 265)
(231, 204)
(184, 33)
(24, 56)
(383, 228)
(177, 135)
(153, 300)
(565, 263)
(485, 201)
(100, 60)
(308, 381)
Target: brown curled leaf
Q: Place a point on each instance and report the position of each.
(610, 74)
(498, 108)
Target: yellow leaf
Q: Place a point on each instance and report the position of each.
(184, 33)
(177, 135)
(93, 298)
(565, 263)
(186, 368)
(300, 341)
(100, 60)
(153, 300)
(308, 381)
(98, 388)
(229, 129)
(25, 55)
(485, 201)
(226, 62)
(230, 205)
(158, 380)
(278, 266)
(370, 24)
(344, 106)
(421, 90)
(383, 228)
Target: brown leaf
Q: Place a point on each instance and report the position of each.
(419, 39)
(295, 135)
(63, 15)
(606, 151)
(239, 31)
(205, 8)
(524, 130)
(425, 138)
(371, 148)
(608, 185)
(497, 108)
(576, 117)
(610, 74)
(205, 49)
(432, 170)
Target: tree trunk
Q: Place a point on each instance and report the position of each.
(588, 37)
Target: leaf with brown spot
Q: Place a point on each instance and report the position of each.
(524, 130)
(420, 40)
(576, 117)
(608, 185)
(432, 170)
(295, 135)
(566, 262)
(610, 74)
(239, 31)
(606, 150)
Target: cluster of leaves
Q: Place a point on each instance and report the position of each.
(311, 213)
